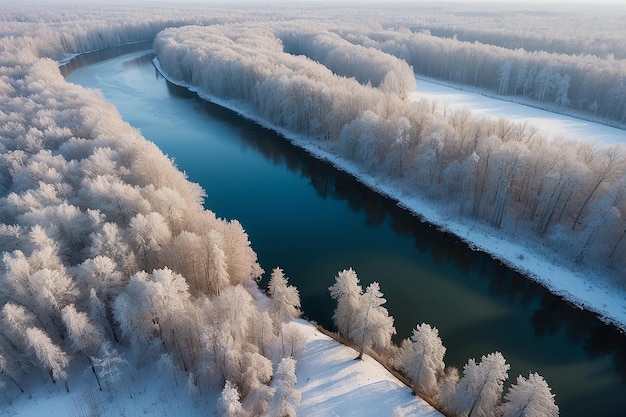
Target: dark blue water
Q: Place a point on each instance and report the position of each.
(312, 221)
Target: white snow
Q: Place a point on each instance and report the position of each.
(331, 381)
(551, 124)
(583, 288)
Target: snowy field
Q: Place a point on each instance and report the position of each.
(331, 381)
(551, 124)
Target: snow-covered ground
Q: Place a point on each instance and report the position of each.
(333, 383)
(551, 124)
(330, 380)
(582, 288)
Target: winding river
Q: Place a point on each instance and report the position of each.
(312, 221)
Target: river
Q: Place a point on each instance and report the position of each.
(311, 220)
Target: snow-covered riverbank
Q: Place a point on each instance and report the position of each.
(330, 381)
(582, 288)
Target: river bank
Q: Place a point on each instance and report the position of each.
(585, 289)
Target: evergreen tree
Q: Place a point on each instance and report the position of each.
(228, 404)
(480, 389)
(374, 326)
(284, 299)
(347, 292)
(422, 359)
(530, 397)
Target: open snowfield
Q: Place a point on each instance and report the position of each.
(331, 381)
(553, 125)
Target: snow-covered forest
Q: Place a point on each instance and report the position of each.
(107, 247)
(565, 196)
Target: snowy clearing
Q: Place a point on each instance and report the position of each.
(333, 383)
(553, 125)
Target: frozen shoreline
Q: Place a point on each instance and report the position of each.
(580, 288)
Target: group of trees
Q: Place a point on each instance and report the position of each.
(104, 242)
(495, 171)
(361, 318)
(582, 30)
(106, 245)
(367, 65)
(590, 84)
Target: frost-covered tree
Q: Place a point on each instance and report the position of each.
(479, 391)
(51, 356)
(261, 333)
(346, 291)
(228, 404)
(131, 310)
(149, 233)
(85, 337)
(217, 272)
(242, 265)
(108, 241)
(100, 273)
(284, 298)
(374, 327)
(235, 310)
(109, 364)
(422, 359)
(504, 77)
(447, 392)
(255, 371)
(286, 397)
(258, 401)
(220, 354)
(530, 397)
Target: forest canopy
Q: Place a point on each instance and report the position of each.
(563, 196)
(105, 242)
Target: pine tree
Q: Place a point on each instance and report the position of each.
(529, 398)
(284, 299)
(347, 292)
(422, 359)
(286, 397)
(480, 389)
(228, 404)
(374, 326)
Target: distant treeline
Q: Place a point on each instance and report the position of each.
(585, 83)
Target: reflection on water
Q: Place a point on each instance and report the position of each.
(102, 55)
(313, 220)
